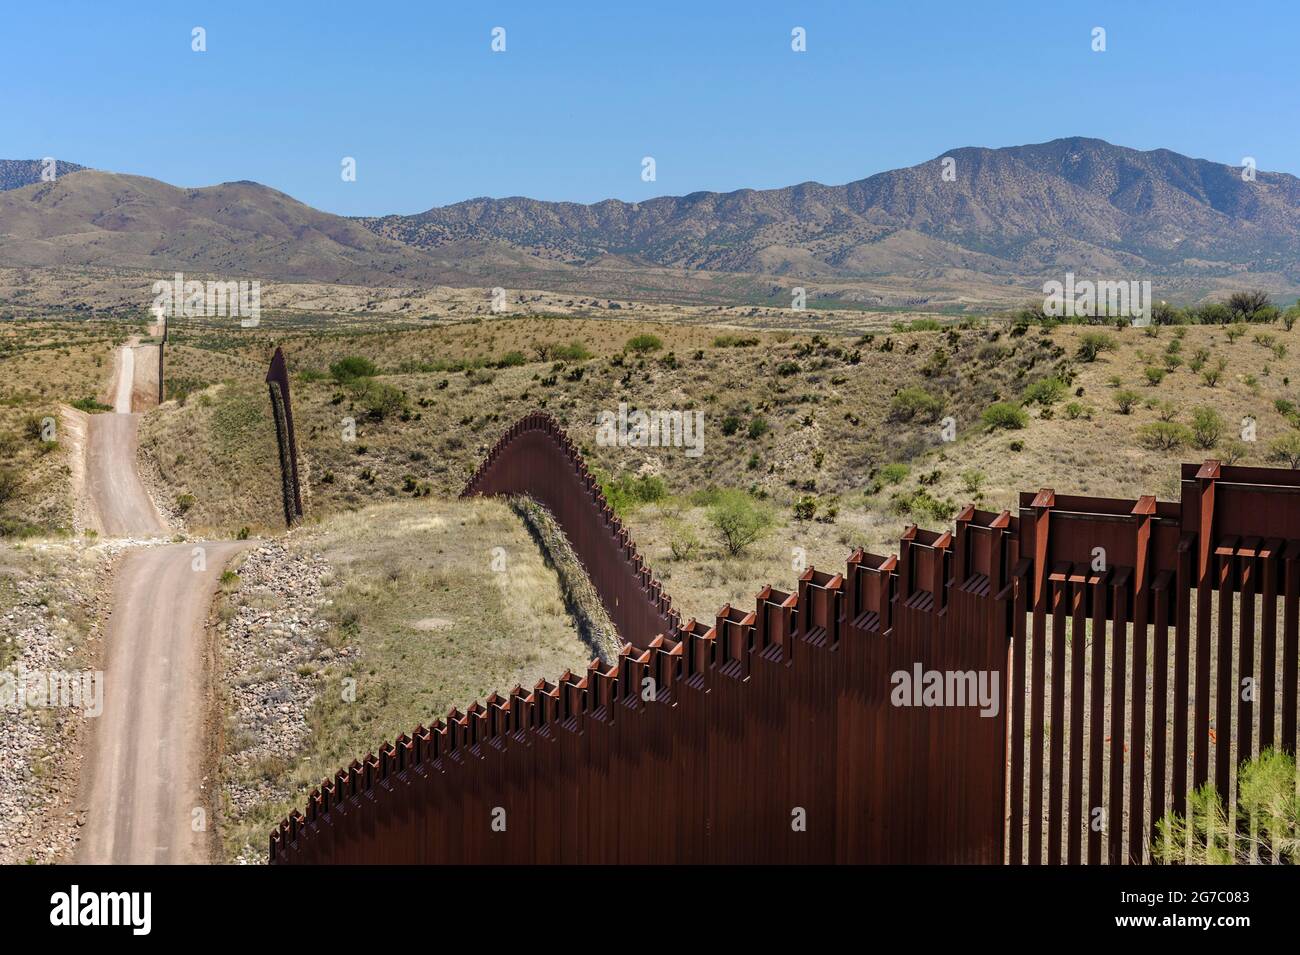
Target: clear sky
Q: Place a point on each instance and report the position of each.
(712, 90)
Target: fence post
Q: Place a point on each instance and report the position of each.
(277, 380)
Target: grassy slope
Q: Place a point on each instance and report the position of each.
(827, 413)
(831, 426)
(43, 363)
(430, 625)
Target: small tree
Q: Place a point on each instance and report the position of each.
(682, 540)
(1165, 435)
(1213, 374)
(738, 520)
(1252, 306)
(642, 344)
(1230, 452)
(1286, 448)
(1125, 400)
(1092, 344)
(1207, 427)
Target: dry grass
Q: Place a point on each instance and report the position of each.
(431, 626)
(44, 363)
(1105, 456)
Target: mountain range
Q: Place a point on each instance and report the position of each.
(997, 218)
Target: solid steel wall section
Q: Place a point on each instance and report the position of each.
(536, 458)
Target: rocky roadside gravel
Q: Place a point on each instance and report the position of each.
(274, 654)
(54, 598)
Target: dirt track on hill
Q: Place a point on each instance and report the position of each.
(118, 504)
(144, 770)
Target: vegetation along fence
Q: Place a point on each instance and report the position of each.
(1038, 688)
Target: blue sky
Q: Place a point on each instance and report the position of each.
(583, 91)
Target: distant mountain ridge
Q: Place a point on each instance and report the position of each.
(16, 173)
(1013, 210)
(1003, 222)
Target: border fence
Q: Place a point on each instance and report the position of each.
(1133, 649)
(277, 382)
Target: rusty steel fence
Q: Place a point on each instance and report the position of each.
(798, 730)
(1153, 651)
(535, 457)
(277, 382)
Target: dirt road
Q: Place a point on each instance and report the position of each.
(124, 377)
(117, 503)
(143, 777)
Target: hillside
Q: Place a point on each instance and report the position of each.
(237, 229)
(1071, 203)
(906, 238)
(16, 173)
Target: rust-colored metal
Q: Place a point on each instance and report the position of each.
(776, 735)
(537, 458)
(277, 380)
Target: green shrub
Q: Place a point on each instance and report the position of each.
(758, 427)
(1230, 452)
(1164, 435)
(922, 504)
(1092, 344)
(10, 482)
(1263, 825)
(734, 341)
(381, 399)
(627, 491)
(1126, 400)
(1004, 414)
(805, 508)
(1286, 449)
(641, 344)
(1045, 391)
(915, 402)
(737, 520)
(91, 405)
(730, 425)
(573, 351)
(511, 359)
(352, 368)
(682, 540)
(1207, 427)
(1212, 375)
(894, 473)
